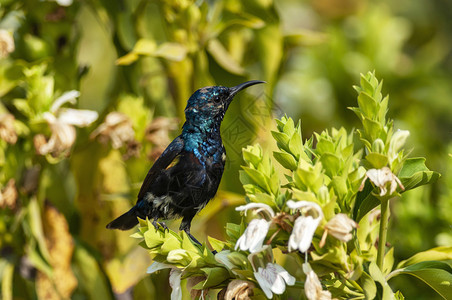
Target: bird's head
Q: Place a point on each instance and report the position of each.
(212, 102)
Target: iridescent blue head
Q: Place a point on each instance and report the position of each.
(210, 103)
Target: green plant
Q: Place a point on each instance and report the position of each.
(329, 217)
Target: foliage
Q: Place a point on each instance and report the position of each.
(330, 186)
(90, 90)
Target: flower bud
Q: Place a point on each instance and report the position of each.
(324, 194)
(378, 146)
(179, 256)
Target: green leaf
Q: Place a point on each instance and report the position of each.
(251, 158)
(436, 274)
(331, 163)
(233, 230)
(223, 58)
(368, 285)
(368, 105)
(215, 276)
(365, 202)
(340, 186)
(295, 144)
(127, 59)
(388, 261)
(89, 275)
(258, 178)
(324, 145)
(145, 47)
(438, 253)
(286, 160)
(127, 272)
(153, 238)
(304, 196)
(171, 51)
(414, 173)
(35, 223)
(372, 128)
(282, 139)
(377, 160)
(7, 281)
(378, 276)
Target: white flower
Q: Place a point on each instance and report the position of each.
(6, 43)
(61, 122)
(305, 225)
(397, 141)
(381, 178)
(312, 286)
(273, 279)
(260, 207)
(64, 2)
(340, 226)
(253, 237)
(157, 266)
(174, 278)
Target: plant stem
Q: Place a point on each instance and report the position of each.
(384, 219)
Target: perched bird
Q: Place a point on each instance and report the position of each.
(187, 174)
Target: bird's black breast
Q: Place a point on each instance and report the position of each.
(185, 188)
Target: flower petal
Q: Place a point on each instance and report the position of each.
(222, 257)
(308, 204)
(253, 237)
(289, 279)
(157, 266)
(265, 286)
(340, 227)
(69, 96)
(174, 280)
(78, 117)
(302, 233)
(259, 206)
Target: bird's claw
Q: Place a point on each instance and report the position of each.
(157, 225)
(196, 241)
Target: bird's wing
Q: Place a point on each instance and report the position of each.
(170, 153)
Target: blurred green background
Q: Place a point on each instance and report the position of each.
(143, 59)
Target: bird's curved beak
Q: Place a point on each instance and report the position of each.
(235, 89)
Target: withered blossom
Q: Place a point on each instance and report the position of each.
(7, 131)
(117, 128)
(340, 227)
(8, 196)
(312, 286)
(61, 122)
(158, 133)
(6, 43)
(239, 290)
(195, 293)
(383, 178)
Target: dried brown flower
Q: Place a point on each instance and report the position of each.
(7, 130)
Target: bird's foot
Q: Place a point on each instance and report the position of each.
(192, 237)
(196, 241)
(157, 225)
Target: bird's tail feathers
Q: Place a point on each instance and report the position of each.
(126, 221)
